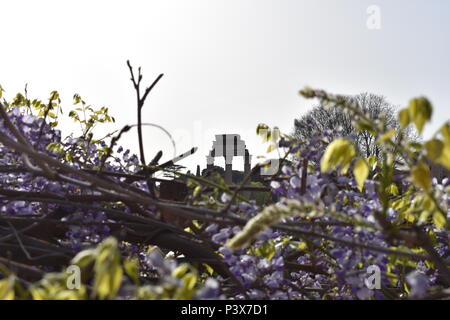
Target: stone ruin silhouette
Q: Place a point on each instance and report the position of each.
(224, 145)
(229, 146)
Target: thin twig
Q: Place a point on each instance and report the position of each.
(140, 104)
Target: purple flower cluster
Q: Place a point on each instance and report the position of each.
(330, 262)
(88, 225)
(331, 269)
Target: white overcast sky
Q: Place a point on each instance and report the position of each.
(228, 65)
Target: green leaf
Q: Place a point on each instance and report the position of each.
(434, 149)
(102, 284)
(403, 118)
(180, 271)
(7, 288)
(54, 95)
(361, 172)
(261, 127)
(438, 152)
(190, 280)
(444, 159)
(264, 132)
(266, 250)
(197, 191)
(421, 176)
(131, 267)
(372, 161)
(85, 257)
(52, 115)
(38, 293)
(365, 126)
(414, 145)
(108, 269)
(420, 112)
(445, 131)
(339, 152)
(439, 219)
(385, 137)
(108, 282)
(392, 189)
(208, 268)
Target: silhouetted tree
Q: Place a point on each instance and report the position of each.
(320, 119)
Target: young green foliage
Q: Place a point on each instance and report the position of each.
(420, 112)
(340, 152)
(361, 171)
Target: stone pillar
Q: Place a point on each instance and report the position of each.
(247, 163)
(247, 170)
(209, 162)
(228, 170)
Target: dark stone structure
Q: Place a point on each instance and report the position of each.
(229, 146)
(173, 190)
